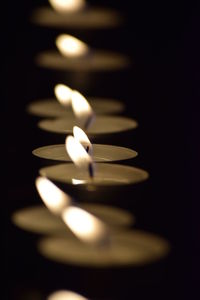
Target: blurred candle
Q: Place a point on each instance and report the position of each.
(67, 6)
(65, 295)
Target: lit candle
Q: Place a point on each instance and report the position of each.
(84, 225)
(38, 219)
(126, 248)
(75, 14)
(75, 55)
(65, 295)
(83, 139)
(103, 125)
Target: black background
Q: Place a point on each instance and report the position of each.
(162, 92)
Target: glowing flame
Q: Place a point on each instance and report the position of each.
(70, 46)
(65, 295)
(82, 109)
(64, 6)
(63, 94)
(78, 155)
(77, 181)
(55, 199)
(84, 225)
(82, 137)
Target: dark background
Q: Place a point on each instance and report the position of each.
(161, 91)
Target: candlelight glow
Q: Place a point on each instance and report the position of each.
(82, 109)
(84, 225)
(77, 181)
(65, 295)
(70, 46)
(55, 199)
(63, 94)
(78, 155)
(64, 6)
(82, 137)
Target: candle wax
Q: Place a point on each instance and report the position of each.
(89, 18)
(127, 248)
(39, 219)
(105, 175)
(101, 125)
(52, 108)
(101, 153)
(95, 61)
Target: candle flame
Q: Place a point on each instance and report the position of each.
(63, 94)
(82, 137)
(55, 199)
(78, 155)
(84, 225)
(65, 295)
(64, 6)
(70, 46)
(82, 110)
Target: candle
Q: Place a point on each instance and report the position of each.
(51, 107)
(103, 125)
(127, 248)
(65, 295)
(77, 16)
(38, 219)
(74, 55)
(101, 153)
(105, 175)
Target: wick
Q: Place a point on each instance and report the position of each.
(91, 170)
(87, 149)
(88, 121)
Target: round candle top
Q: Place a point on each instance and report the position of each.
(65, 295)
(39, 219)
(105, 174)
(95, 60)
(102, 125)
(52, 108)
(127, 248)
(101, 153)
(89, 18)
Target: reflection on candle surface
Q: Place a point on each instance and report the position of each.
(105, 175)
(102, 125)
(51, 107)
(67, 6)
(55, 199)
(63, 94)
(85, 226)
(127, 248)
(100, 153)
(70, 46)
(39, 219)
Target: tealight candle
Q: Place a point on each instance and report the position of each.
(76, 14)
(65, 295)
(103, 125)
(127, 248)
(101, 153)
(38, 219)
(105, 175)
(74, 55)
(51, 107)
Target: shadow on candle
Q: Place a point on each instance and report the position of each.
(51, 107)
(127, 248)
(38, 219)
(101, 153)
(96, 61)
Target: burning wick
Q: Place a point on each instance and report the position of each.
(63, 94)
(66, 6)
(79, 156)
(84, 225)
(83, 139)
(70, 46)
(82, 110)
